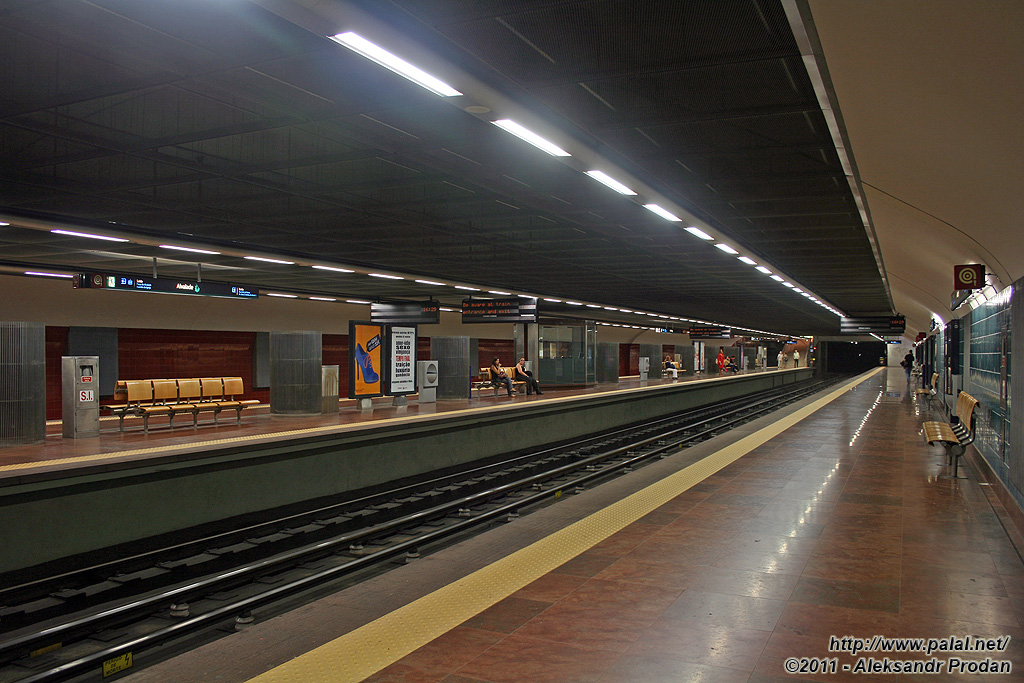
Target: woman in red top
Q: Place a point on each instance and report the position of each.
(721, 360)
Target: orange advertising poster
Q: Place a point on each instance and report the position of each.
(365, 361)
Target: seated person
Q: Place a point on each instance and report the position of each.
(670, 367)
(730, 364)
(525, 375)
(499, 377)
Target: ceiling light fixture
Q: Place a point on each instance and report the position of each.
(777, 278)
(429, 282)
(788, 284)
(726, 248)
(605, 179)
(283, 296)
(499, 292)
(91, 236)
(321, 298)
(385, 276)
(593, 306)
(376, 53)
(356, 301)
(468, 289)
(531, 137)
(42, 274)
(746, 259)
(554, 301)
(574, 303)
(762, 269)
(667, 215)
(333, 269)
(188, 249)
(270, 260)
(697, 232)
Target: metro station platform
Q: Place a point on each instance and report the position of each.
(718, 564)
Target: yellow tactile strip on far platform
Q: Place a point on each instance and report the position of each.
(368, 649)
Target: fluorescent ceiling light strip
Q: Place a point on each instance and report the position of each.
(664, 213)
(531, 137)
(42, 274)
(270, 260)
(574, 303)
(188, 249)
(798, 290)
(556, 301)
(321, 298)
(777, 278)
(3, 225)
(697, 232)
(333, 269)
(468, 289)
(72, 233)
(499, 292)
(376, 53)
(385, 276)
(605, 179)
(593, 306)
(788, 284)
(762, 269)
(746, 259)
(726, 248)
(356, 301)
(283, 296)
(429, 282)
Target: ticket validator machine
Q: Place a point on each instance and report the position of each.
(80, 396)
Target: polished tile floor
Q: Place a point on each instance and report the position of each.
(839, 526)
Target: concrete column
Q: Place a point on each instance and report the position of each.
(295, 375)
(22, 383)
(607, 362)
(653, 351)
(454, 366)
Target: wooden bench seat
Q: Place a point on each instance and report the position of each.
(956, 434)
(486, 382)
(147, 397)
(930, 390)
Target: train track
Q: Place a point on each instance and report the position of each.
(75, 624)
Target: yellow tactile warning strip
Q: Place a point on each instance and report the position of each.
(154, 450)
(368, 649)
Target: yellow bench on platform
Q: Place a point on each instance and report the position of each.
(146, 397)
(956, 434)
(485, 381)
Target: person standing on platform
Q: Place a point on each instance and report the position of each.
(781, 360)
(499, 377)
(796, 358)
(721, 360)
(525, 375)
(908, 364)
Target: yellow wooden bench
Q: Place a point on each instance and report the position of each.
(930, 390)
(486, 382)
(956, 434)
(146, 397)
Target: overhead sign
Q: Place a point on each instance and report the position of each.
(402, 359)
(969, 276)
(710, 332)
(161, 285)
(514, 310)
(895, 324)
(417, 312)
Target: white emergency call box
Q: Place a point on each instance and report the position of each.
(426, 380)
(644, 366)
(80, 396)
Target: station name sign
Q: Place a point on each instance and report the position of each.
(161, 285)
(419, 312)
(893, 324)
(514, 310)
(710, 332)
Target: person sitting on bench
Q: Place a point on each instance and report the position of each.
(525, 375)
(499, 377)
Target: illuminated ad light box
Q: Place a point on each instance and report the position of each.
(418, 312)
(162, 285)
(365, 351)
(401, 360)
(514, 310)
(710, 332)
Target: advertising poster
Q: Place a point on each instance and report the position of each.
(365, 349)
(402, 377)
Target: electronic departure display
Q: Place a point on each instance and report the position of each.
(516, 310)
(710, 332)
(894, 324)
(160, 285)
(425, 312)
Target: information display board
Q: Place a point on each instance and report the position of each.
(365, 348)
(161, 285)
(401, 360)
(895, 324)
(710, 332)
(513, 310)
(417, 312)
